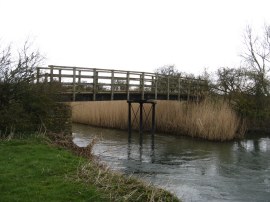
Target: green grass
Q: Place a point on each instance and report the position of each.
(33, 171)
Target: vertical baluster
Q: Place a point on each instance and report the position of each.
(74, 84)
(112, 84)
(94, 84)
(38, 74)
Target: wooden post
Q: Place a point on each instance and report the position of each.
(79, 79)
(141, 118)
(51, 73)
(60, 75)
(38, 74)
(153, 84)
(94, 84)
(168, 87)
(142, 85)
(153, 117)
(156, 86)
(74, 84)
(129, 118)
(127, 85)
(112, 84)
(179, 89)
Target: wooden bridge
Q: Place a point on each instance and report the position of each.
(92, 84)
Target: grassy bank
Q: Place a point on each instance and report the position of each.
(208, 120)
(33, 170)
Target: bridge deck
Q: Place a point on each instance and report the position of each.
(105, 84)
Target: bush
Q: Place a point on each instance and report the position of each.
(26, 106)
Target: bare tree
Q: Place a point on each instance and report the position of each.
(257, 58)
(168, 70)
(5, 63)
(15, 71)
(25, 106)
(233, 80)
(23, 67)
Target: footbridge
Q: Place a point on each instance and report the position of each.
(93, 84)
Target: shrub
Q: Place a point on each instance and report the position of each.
(25, 106)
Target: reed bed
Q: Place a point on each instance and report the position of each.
(207, 119)
(109, 114)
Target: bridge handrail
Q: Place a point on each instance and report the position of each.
(120, 80)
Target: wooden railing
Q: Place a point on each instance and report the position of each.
(94, 82)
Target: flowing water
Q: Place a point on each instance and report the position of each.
(195, 170)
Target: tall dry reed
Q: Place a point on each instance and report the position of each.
(208, 120)
(109, 114)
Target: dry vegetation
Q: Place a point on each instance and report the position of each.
(101, 113)
(114, 186)
(208, 120)
(120, 187)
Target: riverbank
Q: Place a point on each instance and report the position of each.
(38, 169)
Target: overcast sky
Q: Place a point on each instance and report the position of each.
(134, 35)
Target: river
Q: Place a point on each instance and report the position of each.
(192, 169)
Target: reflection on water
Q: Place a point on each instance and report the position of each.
(194, 170)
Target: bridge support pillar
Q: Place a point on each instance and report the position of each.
(144, 116)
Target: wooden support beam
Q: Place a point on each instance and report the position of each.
(51, 73)
(127, 82)
(129, 118)
(152, 84)
(153, 117)
(142, 85)
(112, 84)
(60, 75)
(38, 74)
(95, 80)
(79, 79)
(74, 84)
(141, 118)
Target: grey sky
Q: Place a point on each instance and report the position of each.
(134, 35)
